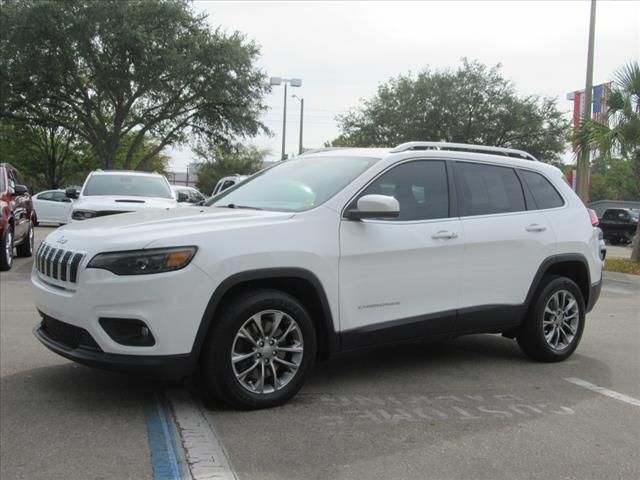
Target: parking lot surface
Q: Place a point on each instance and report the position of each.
(471, 408)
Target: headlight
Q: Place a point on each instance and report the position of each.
(143, 262)
(82, 214)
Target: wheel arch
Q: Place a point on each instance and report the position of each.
(573, 266)
(300, 283)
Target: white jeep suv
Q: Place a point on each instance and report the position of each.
(120, 191)
(321, 254)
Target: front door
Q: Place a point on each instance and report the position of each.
(399, 277)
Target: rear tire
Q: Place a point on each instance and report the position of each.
(25, 249)
(553, 327)
(259, 350)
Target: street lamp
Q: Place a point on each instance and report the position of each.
(294, 82)
(301, 100)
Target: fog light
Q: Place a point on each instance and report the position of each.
(128, 331)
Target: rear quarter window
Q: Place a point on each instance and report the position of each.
(544, 194)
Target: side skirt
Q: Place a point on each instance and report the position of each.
(437, 326)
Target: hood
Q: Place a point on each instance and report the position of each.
(130, 231)
(122, 203)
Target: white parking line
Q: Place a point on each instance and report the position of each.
(604, 391)
(206, 457)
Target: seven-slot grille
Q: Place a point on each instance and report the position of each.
(58, 263)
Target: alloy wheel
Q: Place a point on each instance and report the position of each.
(8, 248)
(267, 352)
(560, 320)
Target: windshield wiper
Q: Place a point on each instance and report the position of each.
(233, 205)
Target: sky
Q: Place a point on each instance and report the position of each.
(343, 51)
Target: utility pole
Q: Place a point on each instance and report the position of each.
(284, 123)
(301, 100)
(584, 159)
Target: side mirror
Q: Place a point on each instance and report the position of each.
(66, 200)
(374, 206)
(20, 190)
(183, 197)
(71, 193)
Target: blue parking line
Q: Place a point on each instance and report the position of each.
(162, 442)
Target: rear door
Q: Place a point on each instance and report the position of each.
(505, 244)
(399, 277)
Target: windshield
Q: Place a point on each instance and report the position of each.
(295, 185)
(129, 185)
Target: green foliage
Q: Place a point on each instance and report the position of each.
(54, 158)
(218, 162)
(613, 180)
(619, 136)
(617, 140)
(110, 70)
(47, 157)
(473, 104)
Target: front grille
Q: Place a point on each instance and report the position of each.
(68, 335)
(58, 263)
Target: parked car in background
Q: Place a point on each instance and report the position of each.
(52, 206)
(227, 182)
(120, 191)
(189, 195)
(16, 217)
(619, 225)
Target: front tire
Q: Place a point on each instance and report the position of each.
(260, 348)
(6, 254)
(553, 327)
(25, 249)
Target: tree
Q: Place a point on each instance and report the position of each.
(47, 156)
(473, 104)
(123, 69)
(218, 162)
(618, 138)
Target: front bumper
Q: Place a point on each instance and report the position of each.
(171, 305)
(170, 367)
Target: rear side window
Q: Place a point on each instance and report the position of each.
(544, 194)
(488, 189)
(59, 196)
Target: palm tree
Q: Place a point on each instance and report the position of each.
(619, 136)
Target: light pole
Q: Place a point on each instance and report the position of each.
(301, 100)
(294, 82)
(584, 159)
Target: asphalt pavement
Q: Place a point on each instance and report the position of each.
(471, 408)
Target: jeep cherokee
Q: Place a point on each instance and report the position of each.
(324, 253)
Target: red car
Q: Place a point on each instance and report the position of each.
(17, 217)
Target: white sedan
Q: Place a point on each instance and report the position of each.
(52, 206)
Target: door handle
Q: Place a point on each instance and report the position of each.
(534, 227)
(444, 235)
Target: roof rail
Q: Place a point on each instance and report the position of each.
(463, 147)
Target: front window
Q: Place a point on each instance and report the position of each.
(295, 185)
(127, 185)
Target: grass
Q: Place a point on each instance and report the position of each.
(622, 265)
